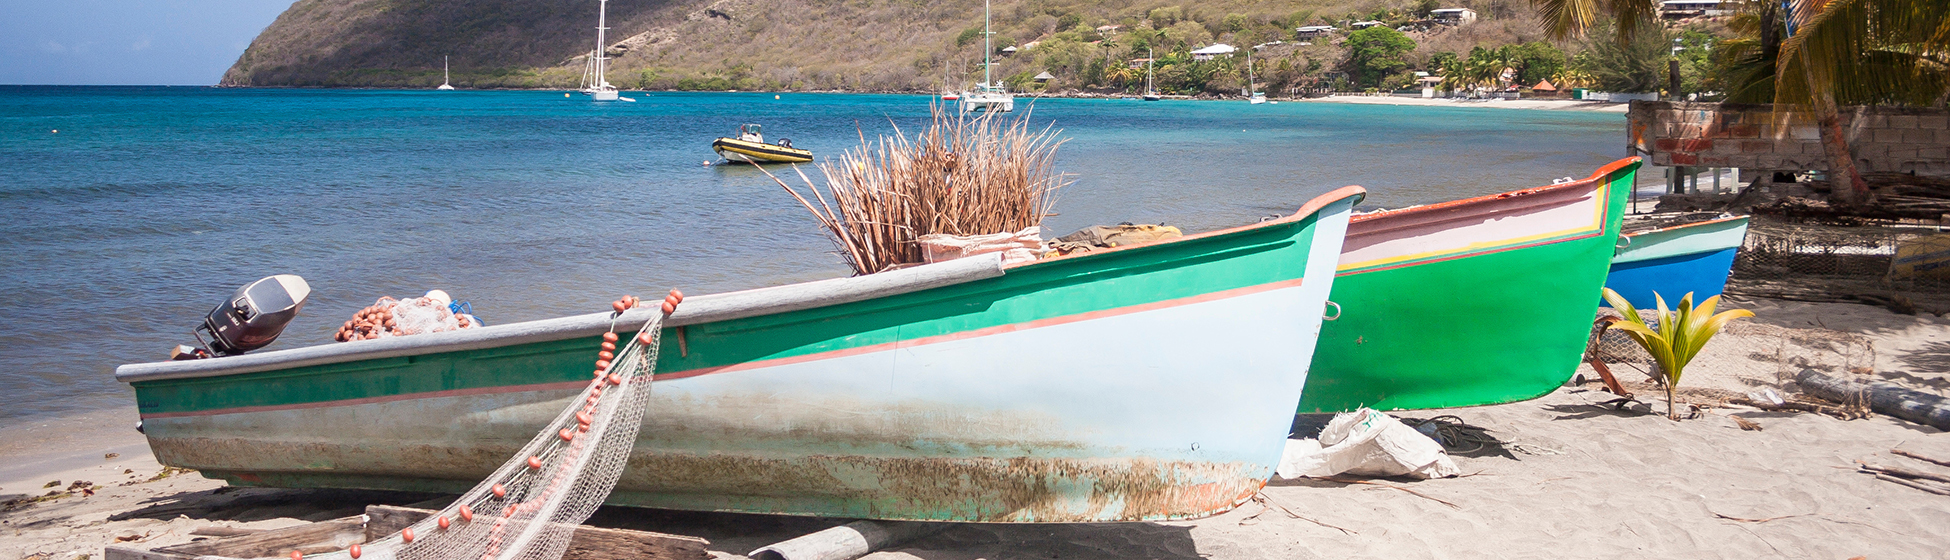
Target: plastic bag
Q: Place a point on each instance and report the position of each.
(1366, 443)
(1021, 246)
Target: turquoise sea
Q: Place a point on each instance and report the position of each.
(126, 213)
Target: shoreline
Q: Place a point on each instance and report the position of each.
(1570, 477)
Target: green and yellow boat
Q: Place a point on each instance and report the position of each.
(1477, 301)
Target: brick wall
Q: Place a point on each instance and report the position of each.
(1884, 139)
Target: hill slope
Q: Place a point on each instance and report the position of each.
(855, 45)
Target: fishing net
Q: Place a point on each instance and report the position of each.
(1745, 357)
(530, 506)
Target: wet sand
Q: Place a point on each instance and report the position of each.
(1569, 477)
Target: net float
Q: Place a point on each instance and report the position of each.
(406, 534)
(466, 513)
(606, 355)
(295, 555)
(646, 337)
(444, 523)
(615, 379)
(669, 307)
(566, 435)
(583, 418)
(677, 294)
(620, 305)
(609, 337)
(602, 364)
(609, 345)
(354, 551)
(499, 491)
(534, 462)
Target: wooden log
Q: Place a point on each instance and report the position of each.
(588, 543)
(315, 538)
(1886, 398)
(846, 542)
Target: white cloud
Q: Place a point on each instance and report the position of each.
(141, 44)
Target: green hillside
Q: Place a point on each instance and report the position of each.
(853, 45)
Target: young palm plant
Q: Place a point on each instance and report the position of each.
(1679, 336)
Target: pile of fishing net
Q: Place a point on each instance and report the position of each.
(434, 312)
(530, 506)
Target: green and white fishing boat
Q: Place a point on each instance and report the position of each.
(1147, 382)
(1470, 302)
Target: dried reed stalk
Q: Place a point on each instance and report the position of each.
(963, 175)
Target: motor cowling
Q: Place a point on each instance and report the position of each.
(255, 315)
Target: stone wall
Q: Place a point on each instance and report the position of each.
(1884, 139)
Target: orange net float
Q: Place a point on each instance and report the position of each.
(566, 435)
(535, 462)
(296, 555)
(406, 534)
(444, 523)
(499, 491)
(466, 514)
(354, 551)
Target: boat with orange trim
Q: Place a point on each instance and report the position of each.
(1469, 302)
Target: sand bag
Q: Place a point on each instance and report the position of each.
(1021, 246)
(1366, 443)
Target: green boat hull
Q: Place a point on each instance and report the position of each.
(1493, 322)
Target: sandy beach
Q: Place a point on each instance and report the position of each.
(1540, 104)
(1569, 477)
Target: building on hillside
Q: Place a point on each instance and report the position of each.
(1043, 77)
(1453, 16)
(1364, 24)
(1208, 53)
(1108, 30)
(1313, 31)
(1678, 9)
(1008, 50)
(1139, 62)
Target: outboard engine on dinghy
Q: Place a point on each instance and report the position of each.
(253, 317)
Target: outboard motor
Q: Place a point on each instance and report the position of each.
(254, 316)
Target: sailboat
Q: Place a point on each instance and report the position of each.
(445, 79)
(988, 95)
(595, 77)
(1253, 97)
(1150, 93)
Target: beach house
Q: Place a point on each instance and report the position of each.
(1364, 24)
(1453, 16)
(1678, 9)
(1208, 53)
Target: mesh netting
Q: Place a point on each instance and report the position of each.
(1745, 355)
(1829, 263)
(530, 506)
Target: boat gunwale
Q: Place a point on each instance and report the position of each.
(1686, 225)
(1307, 210)
(715, 308)
(1587, 182)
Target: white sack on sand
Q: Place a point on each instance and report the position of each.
(1366, 443)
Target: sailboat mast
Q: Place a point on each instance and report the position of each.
(986, 47)
(602, 24)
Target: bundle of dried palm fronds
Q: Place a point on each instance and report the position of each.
(963, 175)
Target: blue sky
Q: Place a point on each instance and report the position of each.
(127, 42)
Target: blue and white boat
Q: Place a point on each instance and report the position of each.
(1672, 261)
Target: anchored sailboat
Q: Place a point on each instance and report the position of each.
(595, 77)
(445, 78)
(1150, 93)
(988, 95)
(1252, 95)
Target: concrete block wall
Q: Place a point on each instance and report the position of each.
(1884, 139)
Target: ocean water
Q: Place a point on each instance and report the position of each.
(126, 213)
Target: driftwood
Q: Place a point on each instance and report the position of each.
(314, 538)
(1886, 398)
(1902, 472)
(1914, 484)
(1835, 411)
(1913, 455)
(588, 543)
(848, 541)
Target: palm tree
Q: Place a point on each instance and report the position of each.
(1834, 52)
